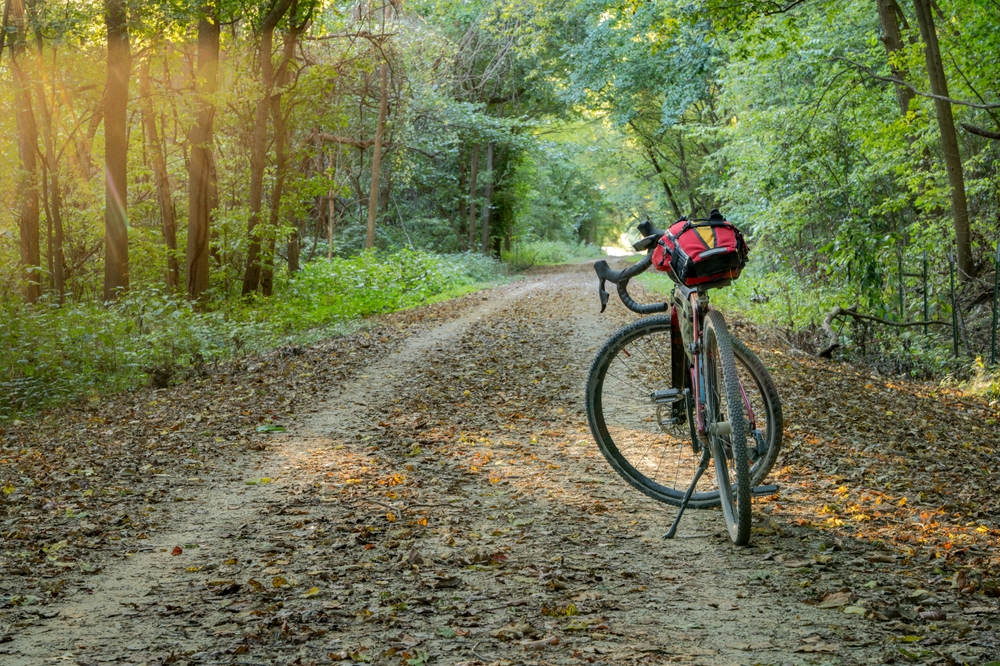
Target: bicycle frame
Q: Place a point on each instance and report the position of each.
(696, 370)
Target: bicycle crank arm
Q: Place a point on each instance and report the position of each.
(761, 491)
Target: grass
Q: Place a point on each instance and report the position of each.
(57, 353)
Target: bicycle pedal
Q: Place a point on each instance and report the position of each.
(760, 491)
(666, 396)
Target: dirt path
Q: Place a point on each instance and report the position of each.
(445, 504)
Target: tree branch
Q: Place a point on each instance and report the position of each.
(838, 311)
(978, 131)
(892, 79)
(348, 141)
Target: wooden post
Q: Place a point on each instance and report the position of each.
(899, 281)
(925, 289)
(954, 306)
(377, 158)
(996, 285)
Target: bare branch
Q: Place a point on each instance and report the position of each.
(892, 79)
(834, 342)
(979, 131)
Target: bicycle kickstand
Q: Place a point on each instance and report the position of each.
(702, 466)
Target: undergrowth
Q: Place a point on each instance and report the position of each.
(524, 255)
(54, 353)
(793, 309)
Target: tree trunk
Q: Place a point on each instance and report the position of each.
(488, 203)
(27, 142)
(116, 269)
(168, 218)
(892, 39)
(663, 180)
(27, 148)
(274, 220)
(202, 192)
(949, 138)
(461, 205)
(472, 196)
(281, 140)
(258, 146)
(377, 156)
(53, 191)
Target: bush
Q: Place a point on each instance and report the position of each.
(54, 354)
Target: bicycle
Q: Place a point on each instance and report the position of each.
(662, 373)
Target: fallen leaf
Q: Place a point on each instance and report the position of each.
(836, 600)
(540, 644)
(177, 551)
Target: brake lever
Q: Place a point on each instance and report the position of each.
(603, 294)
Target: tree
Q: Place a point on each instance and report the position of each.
(119, 63)
(949, 138)
(892, 39)
(258, 146)
(27, 147)
(377, 155)
(201, 183)
(488, 199)
(168, 217)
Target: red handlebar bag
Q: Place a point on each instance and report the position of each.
(701, 252)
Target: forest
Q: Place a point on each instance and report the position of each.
(184, 181)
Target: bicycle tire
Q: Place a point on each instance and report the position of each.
(765, 401)
(724, 405)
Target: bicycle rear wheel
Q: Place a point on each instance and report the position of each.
(658, 460)
(725, 421)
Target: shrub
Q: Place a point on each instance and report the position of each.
(58, 353)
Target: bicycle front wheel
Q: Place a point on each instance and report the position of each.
(726, 425)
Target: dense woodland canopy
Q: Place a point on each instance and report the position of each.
(212, 149)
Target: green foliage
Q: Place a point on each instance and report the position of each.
(56, 353)
(522, 256)
(768, 297)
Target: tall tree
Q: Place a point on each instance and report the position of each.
(473, 175)
(949, 139)
(51, 188)
(258, 145)
(168, 217)
(488, 203)
(377, 155)
(201, 184)
(27, 147)
(281, 141)
(892, 38)
(119, 63)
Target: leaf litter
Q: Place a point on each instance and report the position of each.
(464, 515)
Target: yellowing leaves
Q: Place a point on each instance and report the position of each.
(8, 489)
(51, 549)
(311, 592)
